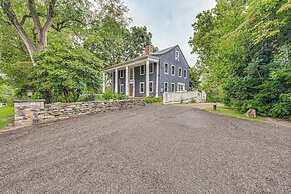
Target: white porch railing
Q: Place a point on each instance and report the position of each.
(177, 97)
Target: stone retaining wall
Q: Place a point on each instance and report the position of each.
(30, 112)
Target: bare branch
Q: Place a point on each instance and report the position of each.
(22, 22)
(25, 17)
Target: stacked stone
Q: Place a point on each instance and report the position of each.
(34, 112)
(28, 112)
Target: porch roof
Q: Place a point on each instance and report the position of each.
(133, 62)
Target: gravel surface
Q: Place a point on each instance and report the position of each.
(152, 149)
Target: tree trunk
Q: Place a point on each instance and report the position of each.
(23, 35)
(41, 31)
(41, 40)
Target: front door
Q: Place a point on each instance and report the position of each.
(131, 90)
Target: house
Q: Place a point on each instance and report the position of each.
(151, 74)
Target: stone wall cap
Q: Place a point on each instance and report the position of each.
(37, 100)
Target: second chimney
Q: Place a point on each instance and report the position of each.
(149, 49)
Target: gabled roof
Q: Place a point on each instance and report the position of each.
(164, 51)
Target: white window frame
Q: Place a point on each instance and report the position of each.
(152, 65)
(185, 75)
(165, 87)
(172, 87)
(151, 91)
(121, 73)
(141, 83)
(121, 86)
(143, 70)
(131, 69)
(166, 72)
(172, 70)
(178, 87)
(177, 55)
(179, 72)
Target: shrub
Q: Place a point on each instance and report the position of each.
(151, 100)
(193, 100)
(105, 96)
(87, 97)
(283, 108)
(113, 96)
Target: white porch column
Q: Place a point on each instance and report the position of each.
(104, 82)
(157, 81)
(126, 81)
(147, 78)
(116, 81)
(112, 78)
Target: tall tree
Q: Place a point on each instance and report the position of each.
(33, 21)
(40, 29)
(239, 43)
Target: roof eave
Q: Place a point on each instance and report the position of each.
(141, 58)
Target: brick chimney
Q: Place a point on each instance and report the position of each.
(149, 49)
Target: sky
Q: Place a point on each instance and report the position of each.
(169, 21)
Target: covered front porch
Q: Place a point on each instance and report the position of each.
(135, 78)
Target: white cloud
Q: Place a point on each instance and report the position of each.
(169, 20)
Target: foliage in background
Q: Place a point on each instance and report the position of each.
(244, 54)
(64, 73)
(194, 78)
(6, 94)
(115, 43)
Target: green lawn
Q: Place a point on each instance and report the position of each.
(233, 113)
(6, 113)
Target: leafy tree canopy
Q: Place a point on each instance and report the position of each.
(244, 51)
(43, 39)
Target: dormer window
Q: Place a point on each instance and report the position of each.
(177, 55)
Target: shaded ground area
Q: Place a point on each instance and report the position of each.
(152, 149)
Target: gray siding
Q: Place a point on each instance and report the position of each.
(142, 78)
(169, 58)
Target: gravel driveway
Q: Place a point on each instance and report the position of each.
(152, 149)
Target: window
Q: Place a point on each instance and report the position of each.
(173, 70)
(141, 87)
(142, 69)
(166, 68)
(181, 87)
(185, 73)
(131, 73)
(121, 88)
(173, 87)
(166, 87)
(180, 72)
(152, 68)
(122, 74)
(151, 87)
(177, 55)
